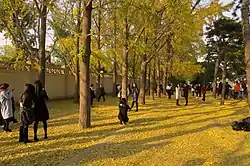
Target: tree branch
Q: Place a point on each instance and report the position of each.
(37, 6)
(195, 5)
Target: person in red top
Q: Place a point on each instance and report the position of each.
(236, 89)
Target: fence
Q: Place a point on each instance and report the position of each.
(59, 82)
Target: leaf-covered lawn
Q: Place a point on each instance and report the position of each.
(159, 134)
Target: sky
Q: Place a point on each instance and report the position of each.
(4, 41)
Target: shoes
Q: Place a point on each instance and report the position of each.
(36, 139)
(27, 141)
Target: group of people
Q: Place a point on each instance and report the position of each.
(123, 105)
(238, 91)
(33, 109)
(97, 93)
(183, 90)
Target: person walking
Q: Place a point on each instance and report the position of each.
(169, 89)
(193, 89)
(41, 111)
(204, 91)
(236, 89)
(227, 90)
(241, 91)
(135, 95)
(6, 106)
(92, 94)
(185, 93)
(177, 94)
(197, 87)
(27, 104)
(123, 111)
(100, 93)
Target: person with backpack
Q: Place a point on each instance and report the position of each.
(27, 117)
(40, 110)
(6, 106)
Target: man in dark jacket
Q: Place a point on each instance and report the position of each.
(100, 92)
(185, 93)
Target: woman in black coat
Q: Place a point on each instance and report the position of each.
(123, 111)
(26, 109)
(41, 110)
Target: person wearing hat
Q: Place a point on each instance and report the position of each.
(6, 106)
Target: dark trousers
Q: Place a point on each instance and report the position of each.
(204, 97)
(45, 126)
(193, 93)
(23, 133)
(6, 123)
(1, 120)
(186, 98)
(99, 98)
(136, 105)
(197, 94)
(177, 102)
(200, 94)
(91, 101)
(236, 94)
(169, 94)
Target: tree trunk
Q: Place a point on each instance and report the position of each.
(143, 78)
(125, 60)
(77, 80)
(133, 68)
(84, 110)
(42, 43)
(165, 80)
(115, 58)
(224, 68)
(153, 82)
(98, 80)
(158, 78)
(246, 34)
(114, 77)
(216, 68)
(149, 79)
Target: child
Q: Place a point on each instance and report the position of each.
(6, 106)
(123, 111)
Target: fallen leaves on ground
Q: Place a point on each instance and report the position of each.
(159, 134)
